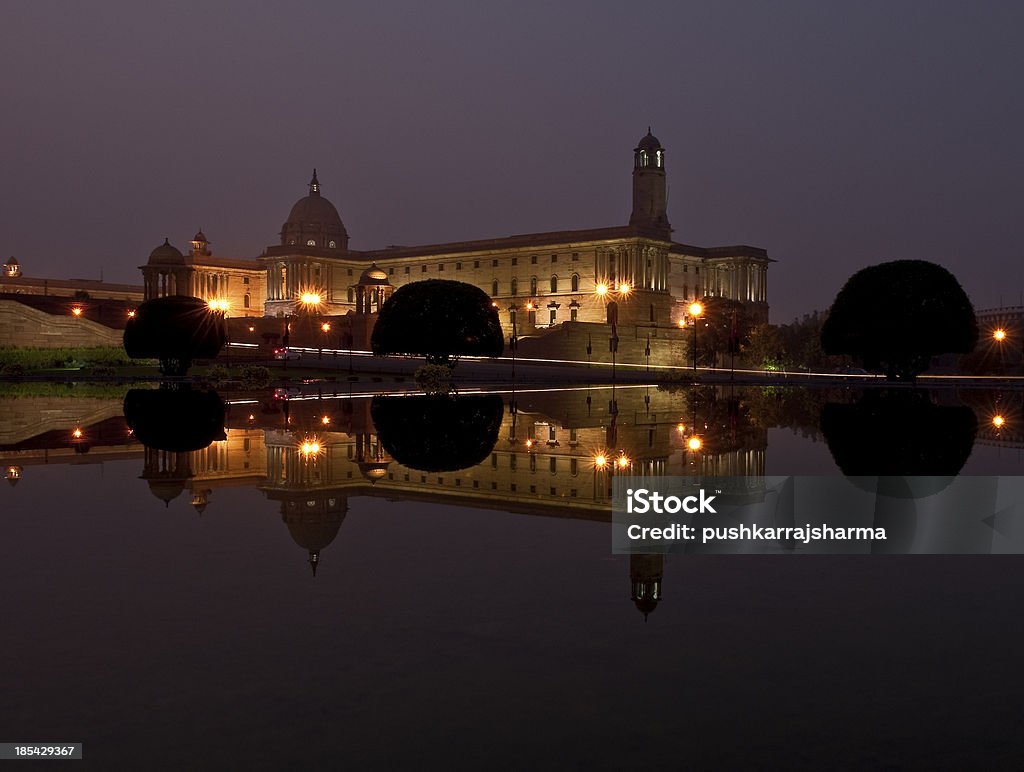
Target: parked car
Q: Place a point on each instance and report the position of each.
(287, 353)
(853, 371)
(287, 392)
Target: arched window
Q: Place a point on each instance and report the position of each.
(245, 300)
(533, 285)
(331, 244)
(515, 287)
(310, 243)
(494, 288)
(652, 312)
(554, 284)
(351, 295)
(575, 282)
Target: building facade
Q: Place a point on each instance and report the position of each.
(632, 274)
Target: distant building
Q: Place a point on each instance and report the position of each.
(634, 272)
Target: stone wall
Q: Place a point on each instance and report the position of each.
(24, 326)
(569, 340)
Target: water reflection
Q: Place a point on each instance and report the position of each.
(900, 433)
(543, 453)
(438, 433)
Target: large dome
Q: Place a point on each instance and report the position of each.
(314, 222)
(165, 253)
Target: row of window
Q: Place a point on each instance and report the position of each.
(574, 285)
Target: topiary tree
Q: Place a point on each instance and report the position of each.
(440, 320)
(176, 330)
(896, 316)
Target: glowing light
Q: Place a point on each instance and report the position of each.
(310, 447)
(326, 326)
(600, 460)
(696, 309)
(252, 328)
(131, 314)
(601, 289)
(77, 311)
(310, 298)
(694, 443)
(680, 428)
(494, 303)
(998, 421)
(624, 288)
(252, 417)
(77, 433)
(529, 443)
(999, 335)
(325, 420)
(622, 461)
(13, 472)
(530, 306)
(682, 322)
(218, 304)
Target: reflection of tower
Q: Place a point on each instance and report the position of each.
(645, 573)
(13, 474)
(373, 461)
(200, 499)
(313, 519)
(166, 472)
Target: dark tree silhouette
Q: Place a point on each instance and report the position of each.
(174, 419)
(438, 433)
(895, 316)
(440, 320)
(175, 330)
(900, 433)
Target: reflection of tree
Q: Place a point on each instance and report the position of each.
(438, 433)
(177, 420)
(898, 432)
(799, 409)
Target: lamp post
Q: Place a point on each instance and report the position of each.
(696, 309)
(325, 328)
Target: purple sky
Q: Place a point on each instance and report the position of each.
(835, 135)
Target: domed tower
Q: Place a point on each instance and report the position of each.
(372, 290)
(200, 245)
(650, 200)
(12, 269)
(314, 223)
(165, 273)
(313, 521)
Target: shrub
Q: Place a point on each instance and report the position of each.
(434, 379)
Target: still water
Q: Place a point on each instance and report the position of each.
(316, 579)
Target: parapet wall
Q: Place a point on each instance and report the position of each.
(24, 326)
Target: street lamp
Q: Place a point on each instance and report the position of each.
(999, 335)
(696, 310)
(325, 328)
(601, 289)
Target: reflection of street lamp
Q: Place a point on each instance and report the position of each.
(76, 311)
(694, 443)
(998, 421)
(696, 309)
(325, 328)
(999, 335)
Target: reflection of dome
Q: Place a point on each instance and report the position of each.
(314, 222)
(166, 490)
(13, 474)
(314, 522)
(646, 605)
(373, 276)
(649, 142)
(374, 470)
(165, 253)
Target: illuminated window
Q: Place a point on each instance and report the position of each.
(575, 282)
(245, 300)
(331, 244)
(310, 243)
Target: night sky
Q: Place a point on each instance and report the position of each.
(835, 135)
